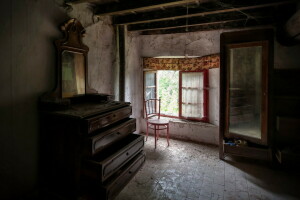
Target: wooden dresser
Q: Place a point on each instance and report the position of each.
(88, 149)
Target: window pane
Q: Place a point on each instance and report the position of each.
(150, 79)
(150, 93)
(150, 85)
(192, 94)
(168, 87)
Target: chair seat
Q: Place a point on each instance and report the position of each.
(158, 121)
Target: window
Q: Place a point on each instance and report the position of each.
(184, 94)
(150, 85)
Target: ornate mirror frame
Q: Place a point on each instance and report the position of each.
(72, 65)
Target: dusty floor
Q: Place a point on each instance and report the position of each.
(187, 171)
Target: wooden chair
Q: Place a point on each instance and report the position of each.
(152, 111)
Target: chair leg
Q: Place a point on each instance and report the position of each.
(155, 135)
(147, 131)
(168, 134)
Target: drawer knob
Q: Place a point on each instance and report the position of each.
(127, 154)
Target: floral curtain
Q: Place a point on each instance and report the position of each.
(183, 64)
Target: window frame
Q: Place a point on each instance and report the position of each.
(205, 94)
(144, 83)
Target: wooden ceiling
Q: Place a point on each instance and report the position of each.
(178, 16)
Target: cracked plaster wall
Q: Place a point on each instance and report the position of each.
(100, 38)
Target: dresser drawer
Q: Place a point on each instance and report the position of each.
(102, 140)
(105, 164)
(100, 121)
(114, 186)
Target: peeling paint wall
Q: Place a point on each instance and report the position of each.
(134, 76)
(192, 44)
(100, 38)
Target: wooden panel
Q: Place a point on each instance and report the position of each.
(288, 131)
(95, 123)
(251, 152)
(103, 166)
(287, 93)
(286, 82)
(80, 109)
(105, 139)
(288, 156)
(112, 187)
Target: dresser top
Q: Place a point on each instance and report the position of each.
(84, 110)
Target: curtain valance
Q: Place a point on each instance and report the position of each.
(183, 64)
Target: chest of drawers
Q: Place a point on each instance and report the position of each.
(88, 150)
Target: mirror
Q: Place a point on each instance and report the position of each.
(72, 83)
(73, 74)
(246, 89)
(72, 62)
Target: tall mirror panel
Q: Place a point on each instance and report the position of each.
(245, 91)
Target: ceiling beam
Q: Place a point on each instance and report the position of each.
(204, 9)
(234, 24)
(208, 19)
(128, 6)
(79, 1)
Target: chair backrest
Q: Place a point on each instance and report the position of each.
(152, 108)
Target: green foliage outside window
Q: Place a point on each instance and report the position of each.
(168, 91)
